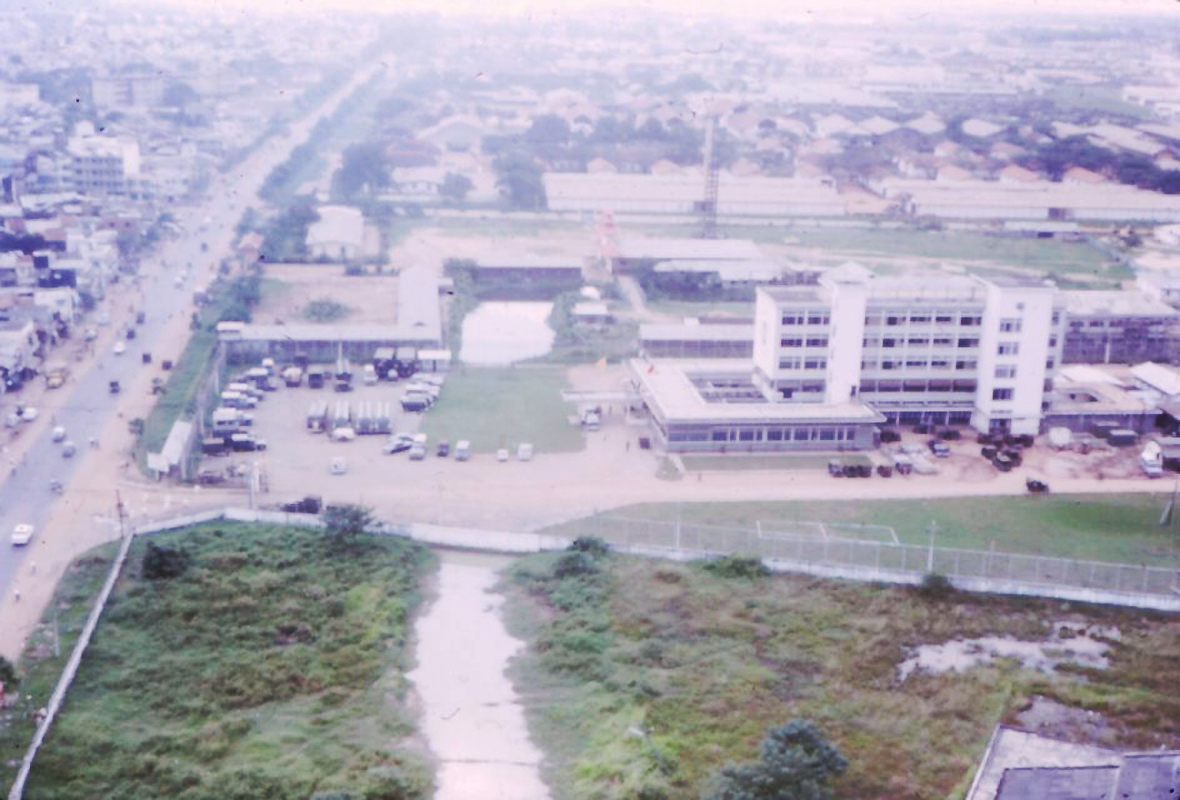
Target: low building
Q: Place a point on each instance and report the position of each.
(1119, 327)
(1086, 399)
(714, 406)
(338, 235)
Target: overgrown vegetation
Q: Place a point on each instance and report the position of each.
(325, 309)
(643, 678)
(272, 667)
(579, 342)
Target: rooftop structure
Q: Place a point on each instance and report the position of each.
(338, 234)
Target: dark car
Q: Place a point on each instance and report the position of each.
(444, 448)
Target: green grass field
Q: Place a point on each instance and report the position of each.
(496, 407)
(704, 661)
(1117, 528)
(273, 667)
(965, 247)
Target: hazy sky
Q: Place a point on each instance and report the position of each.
(766, 8)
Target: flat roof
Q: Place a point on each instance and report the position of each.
(1101, 303)
(332, 333)
(727, 269)
(673, 332)
(1162, 378)
(667, 383)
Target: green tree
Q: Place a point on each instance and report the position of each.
(346, 521)
(518, 177)
(796, 763)
(161, 562)
(363, 166)
(455, 187)
(8, 674)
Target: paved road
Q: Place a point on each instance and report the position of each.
(165, 289)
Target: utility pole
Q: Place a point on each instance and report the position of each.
(122, 516)
(932, 529)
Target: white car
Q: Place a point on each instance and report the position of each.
(344, 434)
(29, 413)
(338, 466)
(22, 533)
(59, 434)
(502, 454)
(524, 452)
(91, 334)
(120, 348)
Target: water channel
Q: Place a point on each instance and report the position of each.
(499, 333)
(471, 717)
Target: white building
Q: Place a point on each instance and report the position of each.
(948, 350)
(338, 234)
(102, 164)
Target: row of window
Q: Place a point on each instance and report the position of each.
(919, 363)
(797, 362)
(919, 319)
(806, 318)
(767, 434)
(917, 386)
(921, 341)
(811, 341)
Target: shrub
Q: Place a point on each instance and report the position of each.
(590, 545)
(739, 567)
(936, 587)
(575, 564)
(161, 562)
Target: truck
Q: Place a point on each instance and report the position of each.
(462, 450)
(384, 363)
(55, 375)
(317, 417)
(342, 415)
(1151, 460)
(315, 377)
(293, 377)
(230, 420)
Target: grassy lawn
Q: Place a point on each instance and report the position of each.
(496, 407)
(705, 660)
(1049, 255)
(1118, 528)
(768, 461)
(272, 667)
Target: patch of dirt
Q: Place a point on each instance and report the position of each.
(369, 299)
(1057, 721)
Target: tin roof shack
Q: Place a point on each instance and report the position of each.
(1085, 398)
(1119, 327)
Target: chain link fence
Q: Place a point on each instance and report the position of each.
(814, 543)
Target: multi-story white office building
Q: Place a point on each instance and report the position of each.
(948, 350)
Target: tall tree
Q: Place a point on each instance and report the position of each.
(518, 177)
(796, 763)
(455, 187)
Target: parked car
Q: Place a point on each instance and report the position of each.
(398, 443)
(68, 449)
(939, 448)
(338, 466)
(417, 451)
(1037, 487)
(502, 454)
(524, 452)
(835, 468)
(59, 434)
(444, 448)
(462, 450)
(22, 533)
(120, 348)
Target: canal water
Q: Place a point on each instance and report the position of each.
(471, 716)
(499, 333)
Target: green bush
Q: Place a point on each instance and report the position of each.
(936, 587)
(161, 562)
(737, 567)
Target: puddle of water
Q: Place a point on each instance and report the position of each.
(503, 332)
(1078, 646)
(471, 717)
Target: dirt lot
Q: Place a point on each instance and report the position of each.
(370, 299)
